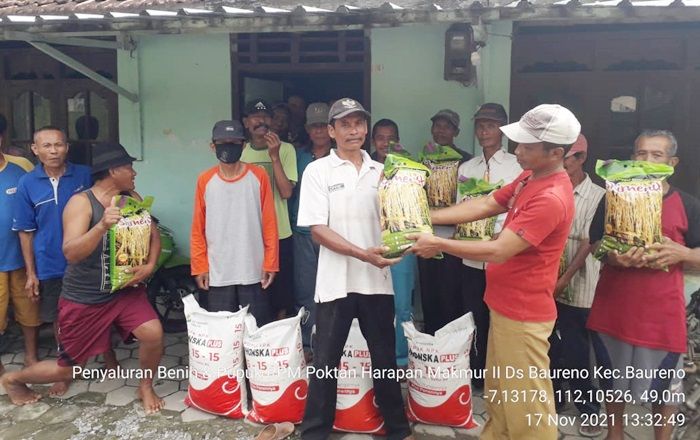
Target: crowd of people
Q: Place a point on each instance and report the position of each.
(289, 218)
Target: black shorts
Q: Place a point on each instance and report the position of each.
(49, 292)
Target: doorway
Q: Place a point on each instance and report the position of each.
(618, 80)
(318, 66)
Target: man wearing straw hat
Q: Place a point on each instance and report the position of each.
(87, 308)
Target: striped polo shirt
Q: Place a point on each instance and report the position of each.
(587, 195)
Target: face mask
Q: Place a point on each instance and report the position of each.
(228, 152)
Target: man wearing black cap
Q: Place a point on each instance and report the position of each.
(305, 250)
(439, 285)
(279, 159)
(233, 245)
(445, 128)
(87, 308)
(339, 203)
(494, 165)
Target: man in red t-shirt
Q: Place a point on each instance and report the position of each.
(521, 272)
(638, 312)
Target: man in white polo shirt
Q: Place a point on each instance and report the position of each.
(338, 201)
(494, 165)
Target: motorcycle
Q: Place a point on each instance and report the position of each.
(690, 407)
(170, 282)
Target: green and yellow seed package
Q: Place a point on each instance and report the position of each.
(484, 229)
(443, 163)
(403, 203)
(633, 201)
(129, 240)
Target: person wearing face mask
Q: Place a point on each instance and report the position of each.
(234, 241)
(279, 160)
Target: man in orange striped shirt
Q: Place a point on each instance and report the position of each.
(234, 241)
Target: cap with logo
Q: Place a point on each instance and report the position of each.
(317, 113)
(107, 155)
(225, 130)
(450, 116)
(492, 112)
(258, 105)
(343, 107)
(545, 123)
(580, 146)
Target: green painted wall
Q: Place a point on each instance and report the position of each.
(408, 84)
(494, 71)
(185, 87)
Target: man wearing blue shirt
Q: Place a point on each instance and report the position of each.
(12, 274)
(38, 209)
(305, 250)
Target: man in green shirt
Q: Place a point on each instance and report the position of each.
(264, 148)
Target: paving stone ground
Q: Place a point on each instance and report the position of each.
(109, 410)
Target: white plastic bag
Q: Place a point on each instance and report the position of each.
(217, 377)
(355, 408)
(439, 391)
(276, 370)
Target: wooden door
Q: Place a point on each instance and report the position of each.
(654, 69)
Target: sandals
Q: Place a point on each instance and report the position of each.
(276, 431)
(590, 431)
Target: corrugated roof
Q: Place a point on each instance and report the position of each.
(52, 13)
(194, 7)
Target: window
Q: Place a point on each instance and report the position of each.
(36, 90)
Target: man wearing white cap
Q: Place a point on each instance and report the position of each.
(522, 271)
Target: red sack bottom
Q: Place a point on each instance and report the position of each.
(222, 397)
(288, 408)
(363, 417)
(455, 411)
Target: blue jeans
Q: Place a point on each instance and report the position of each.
(305, 265)
(403, 276)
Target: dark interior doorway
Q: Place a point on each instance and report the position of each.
(618, 80)
(313, 87)
(319, 66)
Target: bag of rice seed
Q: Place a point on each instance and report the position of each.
(403, 203)
(443, 163)
(484, 229)
(398, 149)
(129, 239)
(633, 201)
(565, 294)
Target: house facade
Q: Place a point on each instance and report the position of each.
(156, 75)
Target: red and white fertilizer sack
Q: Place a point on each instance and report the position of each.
(217, 376)
(355, 408)
(439, 390)
(276, 370)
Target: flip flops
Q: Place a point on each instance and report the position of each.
(276, 431)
